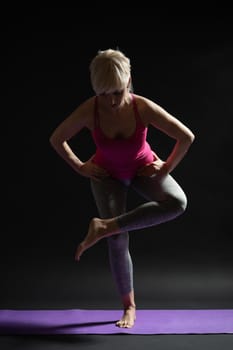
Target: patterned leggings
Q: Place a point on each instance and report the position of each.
(165, 200)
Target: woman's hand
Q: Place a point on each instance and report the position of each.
(157, 167)
(91, 170)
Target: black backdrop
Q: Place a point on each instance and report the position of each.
(183, 63)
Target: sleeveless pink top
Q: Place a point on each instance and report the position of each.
(121, 157)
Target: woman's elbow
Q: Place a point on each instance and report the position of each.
(53, 140)
(189, 137)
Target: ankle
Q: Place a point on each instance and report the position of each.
(128, 301)
(130, 307)
(111, 226)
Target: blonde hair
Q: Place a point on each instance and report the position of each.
(110, 70)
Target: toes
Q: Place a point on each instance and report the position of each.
(120, 324)
(123, 324)
(79, 252)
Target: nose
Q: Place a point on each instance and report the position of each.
(113, 99)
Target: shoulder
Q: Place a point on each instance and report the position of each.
(87, 105)
(145, 103)
(84, 112)
(146, 107)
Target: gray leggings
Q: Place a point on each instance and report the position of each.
(165, 200)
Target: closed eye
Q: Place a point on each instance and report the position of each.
(115, 93)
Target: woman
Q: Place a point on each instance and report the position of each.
(118, 121)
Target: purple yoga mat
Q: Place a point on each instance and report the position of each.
(79, 321)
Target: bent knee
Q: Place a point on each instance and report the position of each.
(178, 204)
(181, 204)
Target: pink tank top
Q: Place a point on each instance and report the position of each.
(121, 157)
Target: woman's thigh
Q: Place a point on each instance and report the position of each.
(159, 190)
(110, 196)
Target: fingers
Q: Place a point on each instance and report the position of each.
(99, 172)
(93, 171)
(142, 170)
(147, 170)
(151, 168)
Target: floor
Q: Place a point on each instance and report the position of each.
(62, 283)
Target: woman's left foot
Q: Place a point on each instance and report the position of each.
(96, 231)
(128, 319)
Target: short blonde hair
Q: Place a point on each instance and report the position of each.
(110, 70)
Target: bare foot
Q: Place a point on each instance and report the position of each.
(96, 231)
(128, 318)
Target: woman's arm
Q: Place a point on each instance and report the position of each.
(158, 117)
(81, 117)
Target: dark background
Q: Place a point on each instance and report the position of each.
(182, 62)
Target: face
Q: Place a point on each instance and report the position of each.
(115, 99)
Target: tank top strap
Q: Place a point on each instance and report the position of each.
(96, 113)
(135, 107)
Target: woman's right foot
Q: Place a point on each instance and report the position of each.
(128, 318)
